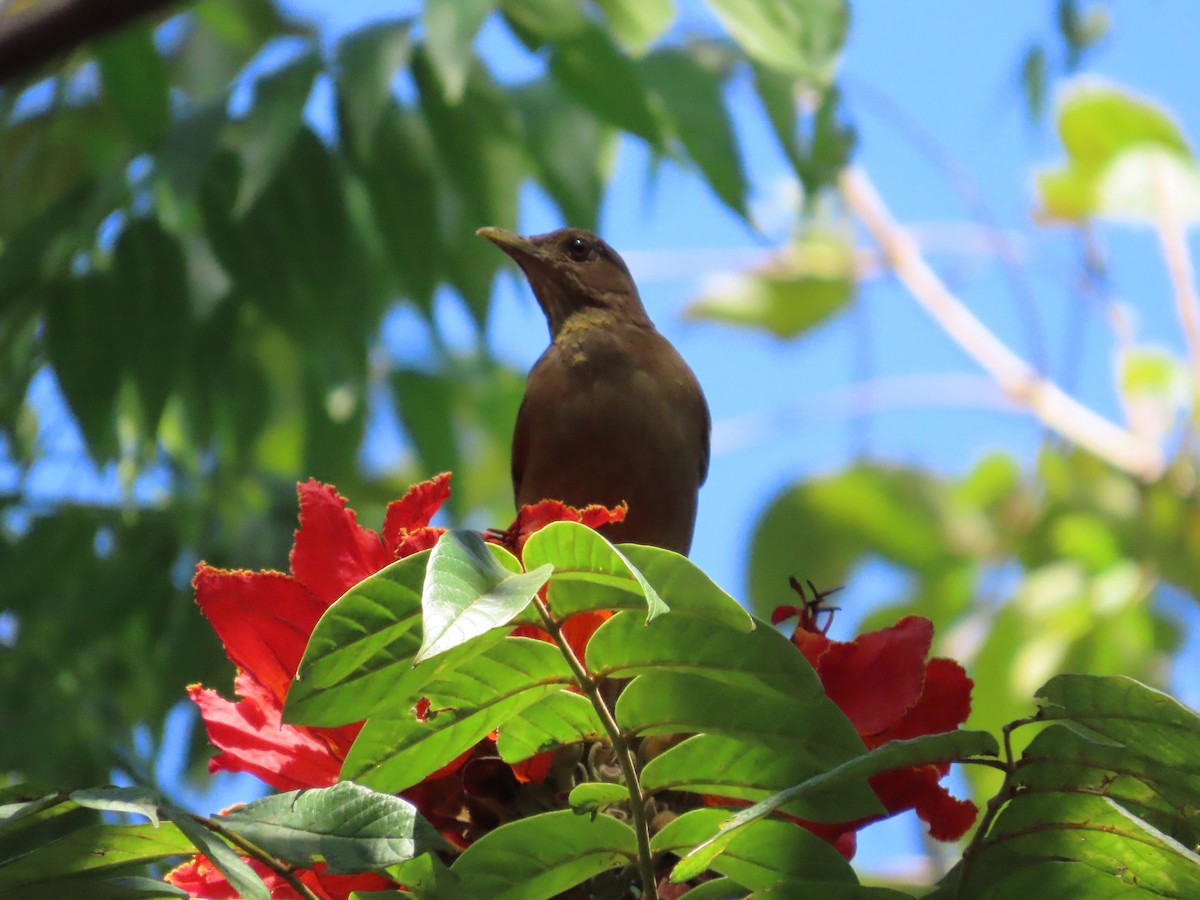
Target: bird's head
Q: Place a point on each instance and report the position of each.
(572, 270)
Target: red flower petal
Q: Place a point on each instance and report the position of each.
(944, 704)
(264, 619)
(200, 878)
(414, 509)
(538, 515)
(332, 552)
(534, 769)
(876, 678)
(254, 739)
(920, 789)
(417, 540)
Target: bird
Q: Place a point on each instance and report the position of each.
(611, 412)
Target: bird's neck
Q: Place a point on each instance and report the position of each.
(582, 320)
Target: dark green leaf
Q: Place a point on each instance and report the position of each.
(266, 134)
(95, 852)
(542, 856)
(425, 877)
(638, 23)
(685, 586)
(691, 88)
(350, 827)
(450, 29)
(465, 704)
(601, 78)
(150, 285)
(468, 591)
(589, 572)
(367, 62)
(426, 407)
(134, 78)
(22, 805)
(139, 800)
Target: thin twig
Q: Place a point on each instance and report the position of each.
(624, 753)
(280, 868)
(1172, 234)
(1041, 396)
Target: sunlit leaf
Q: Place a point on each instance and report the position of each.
(638, 23)
(562, 718)
(450, 29)
(800, 37)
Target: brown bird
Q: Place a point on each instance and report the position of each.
(611, 412)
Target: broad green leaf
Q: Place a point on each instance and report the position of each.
(777, 92)
(425, 877)
(743, 768)
(359, 660)
(563, 718)
(569, 149)
(466, 704)
(690, 83)
(638, 23)
(762, 659)
(812, 282)
(134, 799)
(800, 37)
(1123, 153)
(687, 590)
(149, 284)
(591, 68)
(350, 827)
(769, 852)
(265, 136)
(367, 61)
(22, 805)
(241, 877)
(543, 856)
(468, 592)
(134, 78)
(425, 404)
(717, 889)
(593, 797)
(450, 29)
(589, 572)
(924, 750)
(96, 851)
(188, 147)
(539, 22)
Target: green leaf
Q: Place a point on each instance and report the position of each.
(367, 61)
(229, 863)
(350, 827)
(359, 660)
(717, 889)
(923, 750)
(466, 703)
(688, 588)
(563, 718)
(1123, 153)
(96, 851)
(814, 281)
(593, 797)
(542, 856)
(762, 659)
(468, 591)
(767, 854)
(425, 404)
(427, 878)
(638, 23)
(265, 136)
(149, 282)
(591, 68)
(800, 37)
(690, 84)
(135, 799)
(450, 29)
(589, 572)
(134, 78)
(569, 149)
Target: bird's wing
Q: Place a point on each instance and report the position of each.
(705, 437)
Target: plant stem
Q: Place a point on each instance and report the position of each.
(1172, 234)
(1061, 412)
(279, 867)
(624, 753)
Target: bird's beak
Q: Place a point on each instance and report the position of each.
(511, 243)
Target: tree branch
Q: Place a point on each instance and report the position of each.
(1172, 234)
(30, 39)
(1042, 397)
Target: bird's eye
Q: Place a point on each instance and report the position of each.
(578, 249)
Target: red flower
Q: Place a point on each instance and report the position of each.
(264, 620)
(884, 685)
(200, 878)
